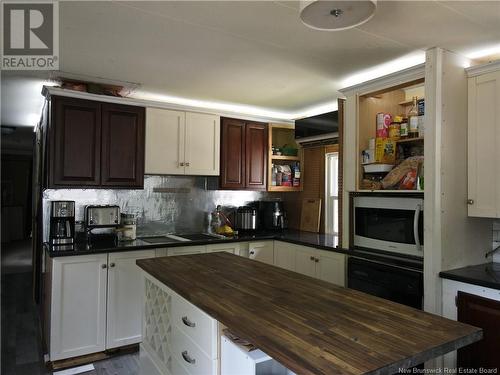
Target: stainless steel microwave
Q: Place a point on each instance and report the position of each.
(392, 224)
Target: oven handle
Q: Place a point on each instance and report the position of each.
(415, 227)
(387, 264)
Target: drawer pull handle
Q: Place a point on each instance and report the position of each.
(187, 358)
(312, 258)
(187, 322)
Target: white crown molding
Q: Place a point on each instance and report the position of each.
(389, 80)
(48, 91)
(477, 70)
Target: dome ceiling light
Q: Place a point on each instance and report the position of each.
(334, 15)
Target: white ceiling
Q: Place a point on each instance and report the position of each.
(254, 53)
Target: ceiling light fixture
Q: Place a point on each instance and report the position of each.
(332, 15)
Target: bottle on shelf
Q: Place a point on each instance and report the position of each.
(403, 129)
(413, 120)
(274, 173)
(296, 175)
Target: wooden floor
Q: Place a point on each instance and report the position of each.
(21, 348)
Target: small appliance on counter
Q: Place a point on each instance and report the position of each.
(62, 225)
(246, 218)
(128, 228)
(100, 225)
(105, 216)
(272, 215)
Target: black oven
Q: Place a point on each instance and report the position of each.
(396, 280)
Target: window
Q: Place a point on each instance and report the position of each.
(332, 193)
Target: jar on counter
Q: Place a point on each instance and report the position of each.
(128, 227)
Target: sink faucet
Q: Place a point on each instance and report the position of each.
(492, 251)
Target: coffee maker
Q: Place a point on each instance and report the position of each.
(273, 215)
(62, 225)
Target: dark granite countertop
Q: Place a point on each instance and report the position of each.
(487, 275)
(321, 241)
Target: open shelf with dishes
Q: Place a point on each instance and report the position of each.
(284, 160)
(391, 138)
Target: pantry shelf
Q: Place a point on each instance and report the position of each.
(282, 136)
(285, 157)
(409, 101)
(283, 189)
(410, 140)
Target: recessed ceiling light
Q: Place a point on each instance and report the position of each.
(334, 15)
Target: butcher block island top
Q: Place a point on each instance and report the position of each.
(308, 325)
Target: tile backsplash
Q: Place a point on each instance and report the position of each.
(496, 240)
(166, 204)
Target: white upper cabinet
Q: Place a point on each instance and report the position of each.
(165, 136)
(202, 146)
(182, 143)
(484, 145)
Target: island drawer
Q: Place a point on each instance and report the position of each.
(196, 324)
(188, 355)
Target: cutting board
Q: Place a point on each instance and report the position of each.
(310, 215)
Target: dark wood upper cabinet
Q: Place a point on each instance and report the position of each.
(75, 142)
(122, 148)
(232, 154)
(95, 144)
(484, 313)
(256, 156)
(243, 154)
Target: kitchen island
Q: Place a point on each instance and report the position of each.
(307, 325)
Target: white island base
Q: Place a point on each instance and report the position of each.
(181, 339)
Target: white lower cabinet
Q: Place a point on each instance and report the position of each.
(324, 265)
(78, 306)
(123, 325)
(284, 255)
(179, 338)
(96, 303)
(262, 251)
(331, 267)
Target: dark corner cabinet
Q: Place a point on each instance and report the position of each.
(484, 313)
(95, 144)
(244, 150)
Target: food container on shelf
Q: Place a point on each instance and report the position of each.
(377, 168)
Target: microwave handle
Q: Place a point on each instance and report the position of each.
(416, 218)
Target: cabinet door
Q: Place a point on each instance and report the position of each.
(261, 251)
(185, 250)
(330, 267)
(125, 289)
(484, 313)
(233, 248)
(78, 308)
(305, 260)
(232, 154)
(122, 146)
(256, 150)
(202, 146)
(165, 134)
(75, 142)
(284, 255)
(483, 140)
